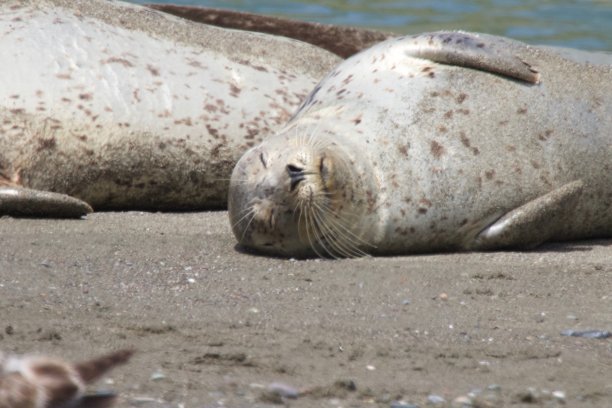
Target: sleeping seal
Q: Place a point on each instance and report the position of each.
(435, 142)
(125, 107)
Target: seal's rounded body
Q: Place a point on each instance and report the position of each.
(497, 144)
(126, 107)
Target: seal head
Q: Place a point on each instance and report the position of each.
(301, 196)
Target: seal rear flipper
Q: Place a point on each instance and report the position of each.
(26, 202)
(532, 223)
(470, 50)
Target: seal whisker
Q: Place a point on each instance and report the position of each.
(247, 212)
(334, 238)
(318, 235)
(249, 209)
(247, 227)
(327, 235)
(340, 234)
(310, 222)
(356, 239)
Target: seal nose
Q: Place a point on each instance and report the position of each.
(296, 174)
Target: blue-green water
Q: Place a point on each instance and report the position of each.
(585, 24)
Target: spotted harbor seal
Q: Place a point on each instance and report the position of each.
(125, 107)
(435, 142)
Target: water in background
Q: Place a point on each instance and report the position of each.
(585, 24)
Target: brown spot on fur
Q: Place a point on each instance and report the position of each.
(462, 97)
(212, 131)
(85, 96)
(154, 71)
(403, 149)
(466, 142)
(521, 111)
(117, 60)
(14, 96)
(489, 174)
(448, 115)
(17, 111)
(535, 164)
(431, 75)
(464, 139)
(436, 149)
(63, 76)
(442, 129)
(210, 108)
(185, 121)
(545, 136)
(422, 210)
(234, 90)
(251, 133)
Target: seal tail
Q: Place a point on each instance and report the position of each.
(91, 370)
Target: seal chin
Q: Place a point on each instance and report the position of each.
(295, 201)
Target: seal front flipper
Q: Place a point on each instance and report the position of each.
(532, 223)
(470, 50)
(26, 202)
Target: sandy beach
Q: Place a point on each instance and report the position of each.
(216, 327)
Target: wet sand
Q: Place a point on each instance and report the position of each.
(215, 327)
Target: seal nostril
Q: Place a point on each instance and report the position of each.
(296, 174)
(294, 170)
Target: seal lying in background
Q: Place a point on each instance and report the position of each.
(341, 40)
(125, 107)
(442, 141)
(42, 382)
